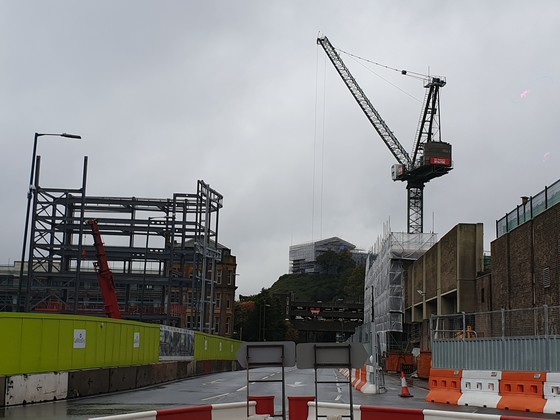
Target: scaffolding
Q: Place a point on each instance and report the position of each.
(158, 249)
(385, 280)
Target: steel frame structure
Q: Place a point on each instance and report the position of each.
(182, 255)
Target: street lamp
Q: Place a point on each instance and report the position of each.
(29, 195)
(374, 344)
(266, 305)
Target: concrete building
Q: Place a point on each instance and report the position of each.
(303, 257)
(443, 280)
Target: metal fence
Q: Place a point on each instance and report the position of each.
(517, 340)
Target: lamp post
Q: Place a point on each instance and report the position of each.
(374, 344)
(266, 305)
(29, 196)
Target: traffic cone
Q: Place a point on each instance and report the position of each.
(404, 392)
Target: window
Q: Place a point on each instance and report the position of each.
(482, 295)
(227, 325)
(229, 276)
(546, 277)
(218, 300)
(228, 303)
(219, 277)
(217, 325)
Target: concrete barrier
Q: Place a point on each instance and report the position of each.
(2, 390)
(122, 378)
(185, 369)
(38, 387)
(83, 383)
(96, 381)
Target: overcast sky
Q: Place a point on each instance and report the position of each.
(238, 94)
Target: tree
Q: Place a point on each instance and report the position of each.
(354, 287)
(259, 318)
(335, 263)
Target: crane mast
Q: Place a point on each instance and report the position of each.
(431, 157)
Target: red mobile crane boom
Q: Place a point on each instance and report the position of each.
(431, 158)
(104, 274)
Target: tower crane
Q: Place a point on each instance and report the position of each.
(430, 157)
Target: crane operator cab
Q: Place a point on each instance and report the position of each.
(435, 161)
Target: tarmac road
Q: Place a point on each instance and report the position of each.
(232, 387)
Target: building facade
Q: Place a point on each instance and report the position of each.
(525, 256)
(303, 257)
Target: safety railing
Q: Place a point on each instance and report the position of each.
(530, 207)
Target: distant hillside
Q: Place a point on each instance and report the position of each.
(340, 278)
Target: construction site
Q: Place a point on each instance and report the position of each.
(157, 259)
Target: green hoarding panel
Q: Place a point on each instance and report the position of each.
(49, 342)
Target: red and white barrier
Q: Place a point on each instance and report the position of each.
(234, 411)
(390, 413)
(228, 411)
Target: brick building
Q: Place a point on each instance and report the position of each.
(223, 292)
(525, 256)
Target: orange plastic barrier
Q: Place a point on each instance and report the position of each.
(357, 377)
(394, 361)
(387, 413)
(445, 386)
(424, 364)
(203, 412)
(523, 391)
(363, 377)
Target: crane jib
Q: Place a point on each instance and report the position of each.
(367, 107)
(431, 157)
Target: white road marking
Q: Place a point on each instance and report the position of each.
(215, 396)
(296, 384)
(338, 397)
(241, 389)
(213, 382)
